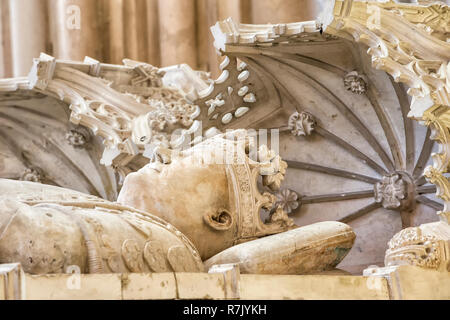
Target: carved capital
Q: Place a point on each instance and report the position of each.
(426, 246)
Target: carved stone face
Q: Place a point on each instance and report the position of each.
(193, 197)
(214, 203)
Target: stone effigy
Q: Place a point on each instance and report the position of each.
(214, 205)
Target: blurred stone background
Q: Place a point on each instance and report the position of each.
(159, 32)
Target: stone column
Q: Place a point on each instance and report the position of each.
(28, 28)
(5, 52)
(284, 11)
(135, 16)
(178, 32)
(208, 13)
(153, 48)
(246, 11)
(74, 29)
(116, 46)
(229, 8)
(203, 35)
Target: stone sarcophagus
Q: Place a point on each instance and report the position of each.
(342, 162)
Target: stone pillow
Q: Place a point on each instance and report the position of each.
(311, 249)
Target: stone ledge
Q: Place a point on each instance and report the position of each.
(73, 287)
(414, 283)
(313, 287)
(138, 286)
(404, 282)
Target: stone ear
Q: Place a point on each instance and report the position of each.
(220, 220)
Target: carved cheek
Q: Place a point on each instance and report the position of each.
(220, 220)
